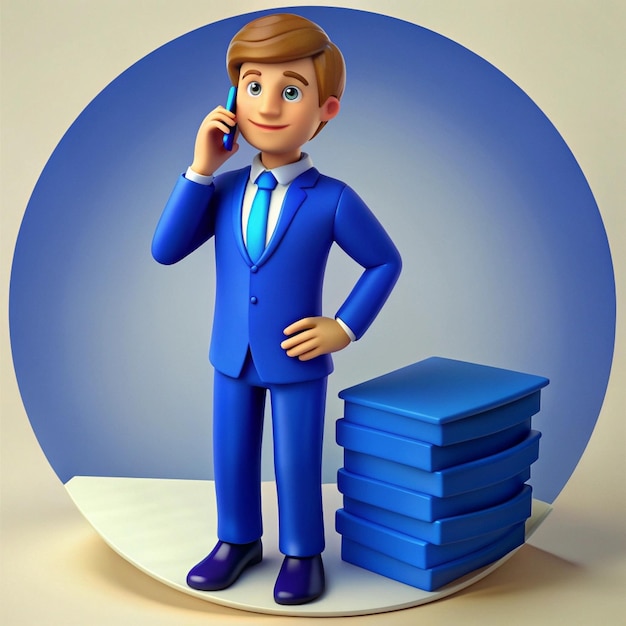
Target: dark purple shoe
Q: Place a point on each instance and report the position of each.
(300, 580)
(224, 565)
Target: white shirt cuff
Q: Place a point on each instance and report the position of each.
(201, 179)
(347, 329)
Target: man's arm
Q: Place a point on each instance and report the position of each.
(187, 221)
(362, 237)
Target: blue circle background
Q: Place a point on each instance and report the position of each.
(506, 260)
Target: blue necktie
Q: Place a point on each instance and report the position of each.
(256, 231)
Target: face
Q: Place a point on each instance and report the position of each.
(278, 108)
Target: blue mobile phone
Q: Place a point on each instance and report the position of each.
(231, 105)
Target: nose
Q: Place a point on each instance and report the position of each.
(270, 105)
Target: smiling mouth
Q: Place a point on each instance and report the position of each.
(268, 126)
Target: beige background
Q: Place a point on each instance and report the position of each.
(568, 55)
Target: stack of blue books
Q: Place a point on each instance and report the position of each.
(436, 459)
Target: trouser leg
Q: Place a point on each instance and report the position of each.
(237, 432)
(298, 426)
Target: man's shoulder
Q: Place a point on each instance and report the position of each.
(330, 180)
(341, 188)
(324, 181)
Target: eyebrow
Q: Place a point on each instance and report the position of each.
(297, 76)
(287, 73)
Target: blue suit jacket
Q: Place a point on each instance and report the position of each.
(255, 302)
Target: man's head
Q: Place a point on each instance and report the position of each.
(283, 38)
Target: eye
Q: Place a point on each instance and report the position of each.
(292, 94)
(254, 89)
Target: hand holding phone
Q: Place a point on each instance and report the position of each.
(231, 105)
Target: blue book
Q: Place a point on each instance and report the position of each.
(443, 401)
(411, 550)
(456, 528)
(423, 455)
(423, 506)
(453, 480)
(430, 579)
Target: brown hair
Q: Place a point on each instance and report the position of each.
(282, 37)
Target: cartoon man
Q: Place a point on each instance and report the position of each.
(272, 241)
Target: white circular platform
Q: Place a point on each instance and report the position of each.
(164, 527)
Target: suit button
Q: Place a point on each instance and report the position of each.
(254, 269)
(253, 300)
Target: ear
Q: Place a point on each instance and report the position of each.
(329, 109)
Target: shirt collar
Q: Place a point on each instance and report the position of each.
(284, 174)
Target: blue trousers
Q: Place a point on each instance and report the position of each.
(297, 427)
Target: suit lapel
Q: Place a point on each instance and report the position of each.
(295, 197)
(239, 188)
